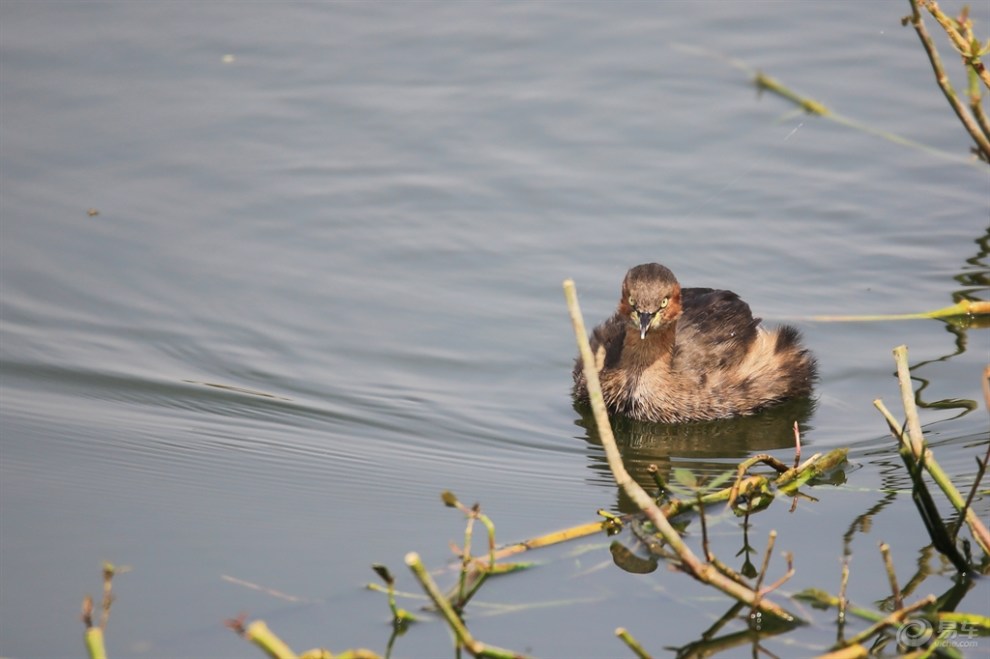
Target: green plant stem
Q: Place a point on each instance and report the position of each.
(788, 479)
(400, 617)
(704, 572)
(548, 539)
(961, 618)
(259, 634)
(475, 647)
(462, 584)
(632, 643)
(809, 105)
(94, 636)
(824, 599)
(961, 308)
(813, 467)
(675, 507)
(94, 643)
(443, 605)
(480, 570)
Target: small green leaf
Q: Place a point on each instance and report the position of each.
(686, 478)
(383, 572)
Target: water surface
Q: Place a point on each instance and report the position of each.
(321, 284)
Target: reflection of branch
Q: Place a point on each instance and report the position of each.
(977, 278)
(964, 404)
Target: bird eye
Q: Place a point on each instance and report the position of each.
(632, 302)
(664, 302)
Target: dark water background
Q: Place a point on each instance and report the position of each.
(323, 285)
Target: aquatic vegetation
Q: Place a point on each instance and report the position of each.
(925, 626)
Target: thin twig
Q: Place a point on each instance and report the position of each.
(784, 578)
(94, 634)
(982, 142)
(962, 46)
(891, 575)
(916, 437)
(809, 105)
(973, 78)
(843, 601)
(632, 643)
(771, 540)
(475, 647)
(981, 469)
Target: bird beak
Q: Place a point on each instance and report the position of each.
(644, 323)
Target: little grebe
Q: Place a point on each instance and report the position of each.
(670, 354)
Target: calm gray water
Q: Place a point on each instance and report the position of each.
(323, 285)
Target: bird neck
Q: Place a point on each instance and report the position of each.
(658, 346)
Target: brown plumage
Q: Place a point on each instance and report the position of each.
(670, 354)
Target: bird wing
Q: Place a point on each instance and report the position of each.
(715, 330)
